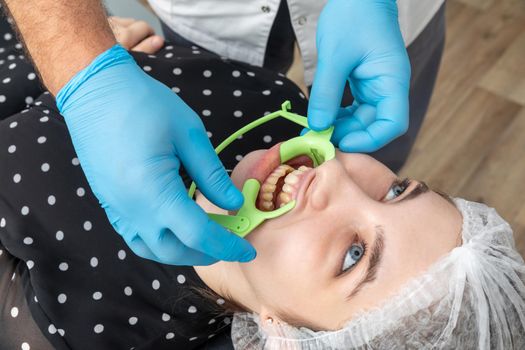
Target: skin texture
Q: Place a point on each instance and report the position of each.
(61, 36)
(299, 255)
(135, 35)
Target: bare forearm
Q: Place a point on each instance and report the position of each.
(62, 36)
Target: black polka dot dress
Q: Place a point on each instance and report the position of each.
(67, 279)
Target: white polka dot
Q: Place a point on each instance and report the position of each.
(8, 36)
(212, 321)
(14, 311)
(211, 336)
(93, 262)
(237, 114)
(195, 52)
(206, 112)
(17, 178)
(61, 332)
(30, 264)
(133, 320)
(75, 161)
(81, 192)
(25, 346)
(227, 320)
(302, 95)
(28, 241)
(266, 113)
(63, 266)
(279, 82)
(147, 68)
(52, 329)
(1, 252)
(128, 291)
(166, 317)
(35, 299)
(220, 301)
(18, 46)
(169, 55)
(11, 57)
(170, 335)
(87, 225)
(62, 298)
(206, 73)
(169, 47)
(13, 276)
(41, 139)
(31, 76)
(155, 284)
(2, 100)
(177, 71)
(192, 309)
(121, 254)
(12, 66)
(97, 296)
(29, 100)
(59, 235)
(51, 200)
(175, 89)
(237, 93)
(206, 92)
(12, 125)
(267, 139)
(181, 279)
(46, 111)
(6, 80)
(209, 134)
(251, 74)
(2, 222)
(11, 149)
(193, 338)
(44, 119)
(24, 210)
(99, 328)
(238, 157)
(236, 74)
(266, 92)
(45, 167)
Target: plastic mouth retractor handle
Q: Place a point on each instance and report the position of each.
(315, 145)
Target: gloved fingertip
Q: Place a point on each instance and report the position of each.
(249, 256)
(235, 197)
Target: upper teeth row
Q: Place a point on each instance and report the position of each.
(268, 188)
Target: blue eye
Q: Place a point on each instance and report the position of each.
(397, 189)
(353, 255)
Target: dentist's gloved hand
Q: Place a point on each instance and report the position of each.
(131, 134)
(360, 41)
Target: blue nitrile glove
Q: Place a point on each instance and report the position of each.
(131, 134)
(360, 40)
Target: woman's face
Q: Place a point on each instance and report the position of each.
(354, 237)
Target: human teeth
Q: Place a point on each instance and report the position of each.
(272, 179)
(303, 168)
(287, 188)
(266, 187)
(267, 196)
(267, 205)
(291, 179)
(284, 197)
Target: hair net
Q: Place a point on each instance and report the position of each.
(474, 297)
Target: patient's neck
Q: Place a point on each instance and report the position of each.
(227, 280)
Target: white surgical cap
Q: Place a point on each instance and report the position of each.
(472, 298)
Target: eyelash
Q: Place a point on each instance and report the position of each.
(403, 183)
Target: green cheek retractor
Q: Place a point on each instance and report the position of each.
(315, 145)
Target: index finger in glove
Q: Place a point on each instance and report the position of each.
(327, 92)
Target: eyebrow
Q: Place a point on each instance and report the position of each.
(374, 262)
